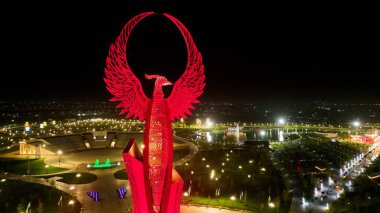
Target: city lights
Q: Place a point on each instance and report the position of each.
(281, 121)
(212, 175)
(209, 123)
(356, 124)
(290, 143)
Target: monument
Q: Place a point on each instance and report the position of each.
(155, 185)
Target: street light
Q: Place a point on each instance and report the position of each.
(186, 195)
(271, 205)
(356, 124)
(59, 152)
(212, 175)
(209, 123)
(281, 121)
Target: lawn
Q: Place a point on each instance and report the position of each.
(12, 149)
(224, 202)
(15, 196)
(214, 175)
(4, 143)
(121, 174)
(71, 178)
(20, 166)
(180, 153)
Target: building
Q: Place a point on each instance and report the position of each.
(35, 147)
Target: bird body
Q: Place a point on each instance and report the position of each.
(158, 146)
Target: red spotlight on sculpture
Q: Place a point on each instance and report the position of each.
(155, 185)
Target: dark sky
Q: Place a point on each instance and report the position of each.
(251, 52)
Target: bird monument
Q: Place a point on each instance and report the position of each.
(156, 186)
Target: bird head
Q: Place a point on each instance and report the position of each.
(160, 80)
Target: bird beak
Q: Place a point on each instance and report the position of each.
(168, 83)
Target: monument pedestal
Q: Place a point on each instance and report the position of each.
(133, 160)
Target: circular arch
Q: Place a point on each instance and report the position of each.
(192, 51)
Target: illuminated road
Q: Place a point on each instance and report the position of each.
(330, 193)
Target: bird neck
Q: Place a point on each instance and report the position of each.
(158, 93)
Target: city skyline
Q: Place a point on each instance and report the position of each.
(219, 106)
(274, 54)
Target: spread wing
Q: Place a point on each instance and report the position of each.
(120, 80)
(190, 85)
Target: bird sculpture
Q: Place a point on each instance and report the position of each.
(154, 189)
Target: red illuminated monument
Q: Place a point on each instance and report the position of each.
(155, 185)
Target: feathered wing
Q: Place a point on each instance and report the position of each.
(120, 80)
(190, 85)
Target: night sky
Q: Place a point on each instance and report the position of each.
(271, 53)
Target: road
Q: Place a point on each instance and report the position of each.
(327, 192)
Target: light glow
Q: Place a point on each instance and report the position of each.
(281, 121)
(356, 123)
(98, 165)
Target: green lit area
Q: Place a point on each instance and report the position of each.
(98, 165)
